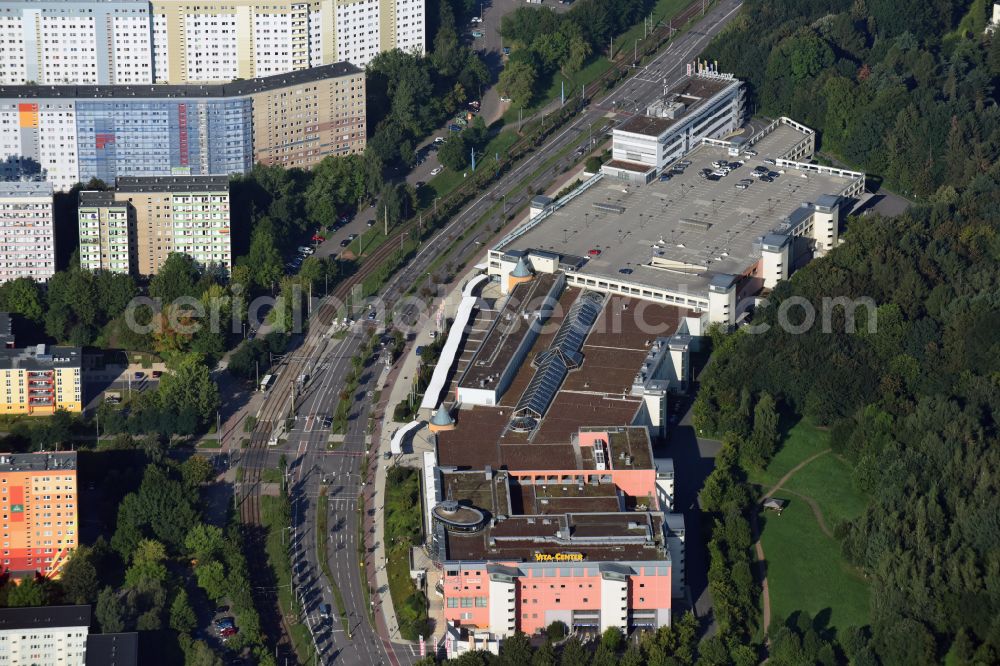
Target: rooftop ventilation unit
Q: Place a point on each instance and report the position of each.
(609, 207)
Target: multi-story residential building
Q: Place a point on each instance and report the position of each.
(27, 233)
(40, 380)
(44, 635)
(60, 635)
(77, 133)
(106, 234)
(87, 42)
(99, 42)
(38, 493)
(136, 227)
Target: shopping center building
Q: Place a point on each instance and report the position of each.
(544, 498)
(690, 237)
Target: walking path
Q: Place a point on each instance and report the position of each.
(783, 480)
(755, 531)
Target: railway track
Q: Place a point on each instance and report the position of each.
(255, 456)
(276, 408)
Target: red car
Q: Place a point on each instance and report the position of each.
(595, 252)
(318, 239)
(228, 631)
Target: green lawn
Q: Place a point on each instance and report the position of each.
(271, 475)
(598, 62)
(805, 571)
(448, 180)
(828, 480)
(274, 515)
(402, 527)
(802, 441)
(663, 10)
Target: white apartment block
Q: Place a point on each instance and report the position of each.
(87, 42)
(75, 42)
(27, 231)
(60, 636)
(50, 645)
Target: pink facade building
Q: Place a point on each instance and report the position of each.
(589, 547)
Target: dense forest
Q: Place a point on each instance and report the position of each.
(911, 395)
(905, 90)
(544, 42)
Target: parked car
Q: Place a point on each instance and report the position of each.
(454, 128)
(345, 242)
(325, 611)
(505, 99)
(159, 373)
(371, 223)
(436, 170)
(506, 52)
(372, 315)
(664, 177)
(139, 375)
(476, 34)
(595, 252)
(625, 271)
(439, 139)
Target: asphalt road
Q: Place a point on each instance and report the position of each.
(312, 468)
(310, 463)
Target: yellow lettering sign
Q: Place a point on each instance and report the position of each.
(559, 557)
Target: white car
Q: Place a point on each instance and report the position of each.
(505, 99)
(439, 139)
(436, 170)
(476, 19)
